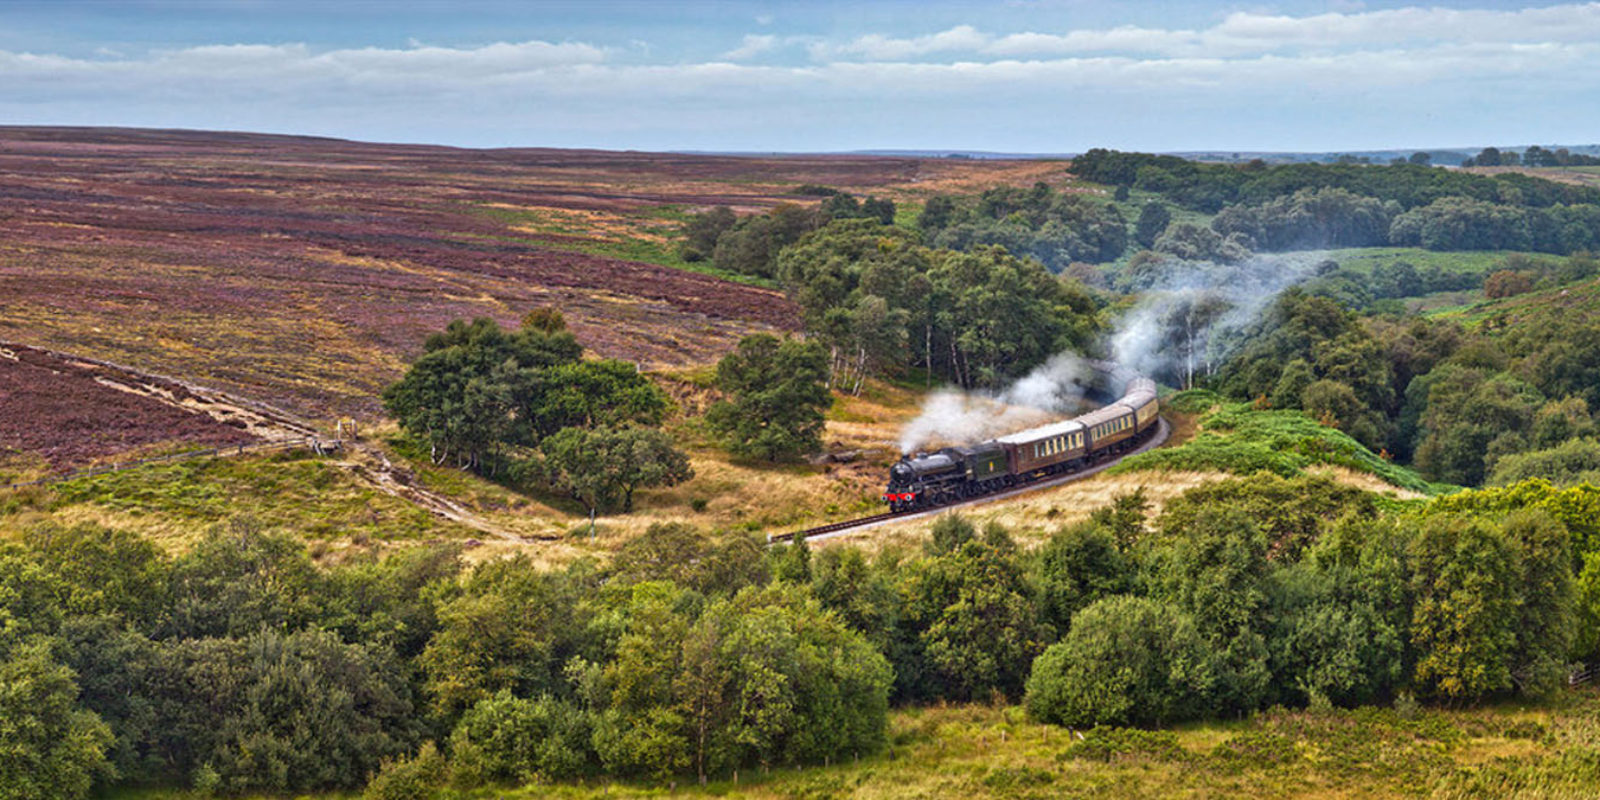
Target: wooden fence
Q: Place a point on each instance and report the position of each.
(1581, 676)
(315, 444)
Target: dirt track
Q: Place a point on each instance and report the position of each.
(71, 412)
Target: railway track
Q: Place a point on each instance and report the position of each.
(1163, 430)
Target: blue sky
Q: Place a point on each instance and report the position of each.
(1024, 75)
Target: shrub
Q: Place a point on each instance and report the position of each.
(1127, 660)
(1281, 442)
(1255, 750)
(507, 739)
(1109, 743)
(413, 778)
(1193, 401)
(49, 747)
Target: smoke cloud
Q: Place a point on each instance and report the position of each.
(1188, 320)
(1050, 392)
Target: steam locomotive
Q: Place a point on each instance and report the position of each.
(928, 480)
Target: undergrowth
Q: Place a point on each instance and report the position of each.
(292, 490)
(1243, 441)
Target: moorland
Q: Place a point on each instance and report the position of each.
(1365, 564)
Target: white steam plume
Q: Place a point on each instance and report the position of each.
(1183, 324)
(952, 416)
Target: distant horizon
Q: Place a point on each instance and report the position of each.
(1019, 76)
(920, 152)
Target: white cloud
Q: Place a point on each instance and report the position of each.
(558, 70)
(1247, 33)
(877, 47)
(753, 45)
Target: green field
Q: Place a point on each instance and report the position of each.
(1365, 259)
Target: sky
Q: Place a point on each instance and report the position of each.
(1038, 76)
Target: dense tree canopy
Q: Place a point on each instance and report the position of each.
(881, 302)
(1057, 228)
(777, 392)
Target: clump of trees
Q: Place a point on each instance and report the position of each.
(1534, 156)
(1313, 206)
(526, 403)
(1210, 187)
(1057, 228)
(777, 394)
(1310, 219)
(969, 297)
(750, 245)
(685, 657)
(880, 302)
(1450, 605)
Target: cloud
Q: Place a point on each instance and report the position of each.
(878, 47)
(753, 45)
(533, 69)
(1247, 33)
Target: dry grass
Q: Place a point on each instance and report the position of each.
(1364, 480)
(1033, 517)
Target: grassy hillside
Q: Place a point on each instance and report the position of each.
(1238, 439)
(979, 752)
(315, 498)
(1365, 259)
(1499, 316)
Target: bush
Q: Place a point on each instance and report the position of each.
(1193, 401)
(1568, 464)
(1108, 743)
(1280, 442)
(1255, 750)
(1507, 283)
(49, 747)
(507, 739)
(1127, 660)
(413, 778)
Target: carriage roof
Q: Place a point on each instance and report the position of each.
(1044, 432)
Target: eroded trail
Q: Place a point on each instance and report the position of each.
(367, 463)
(372, 466)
